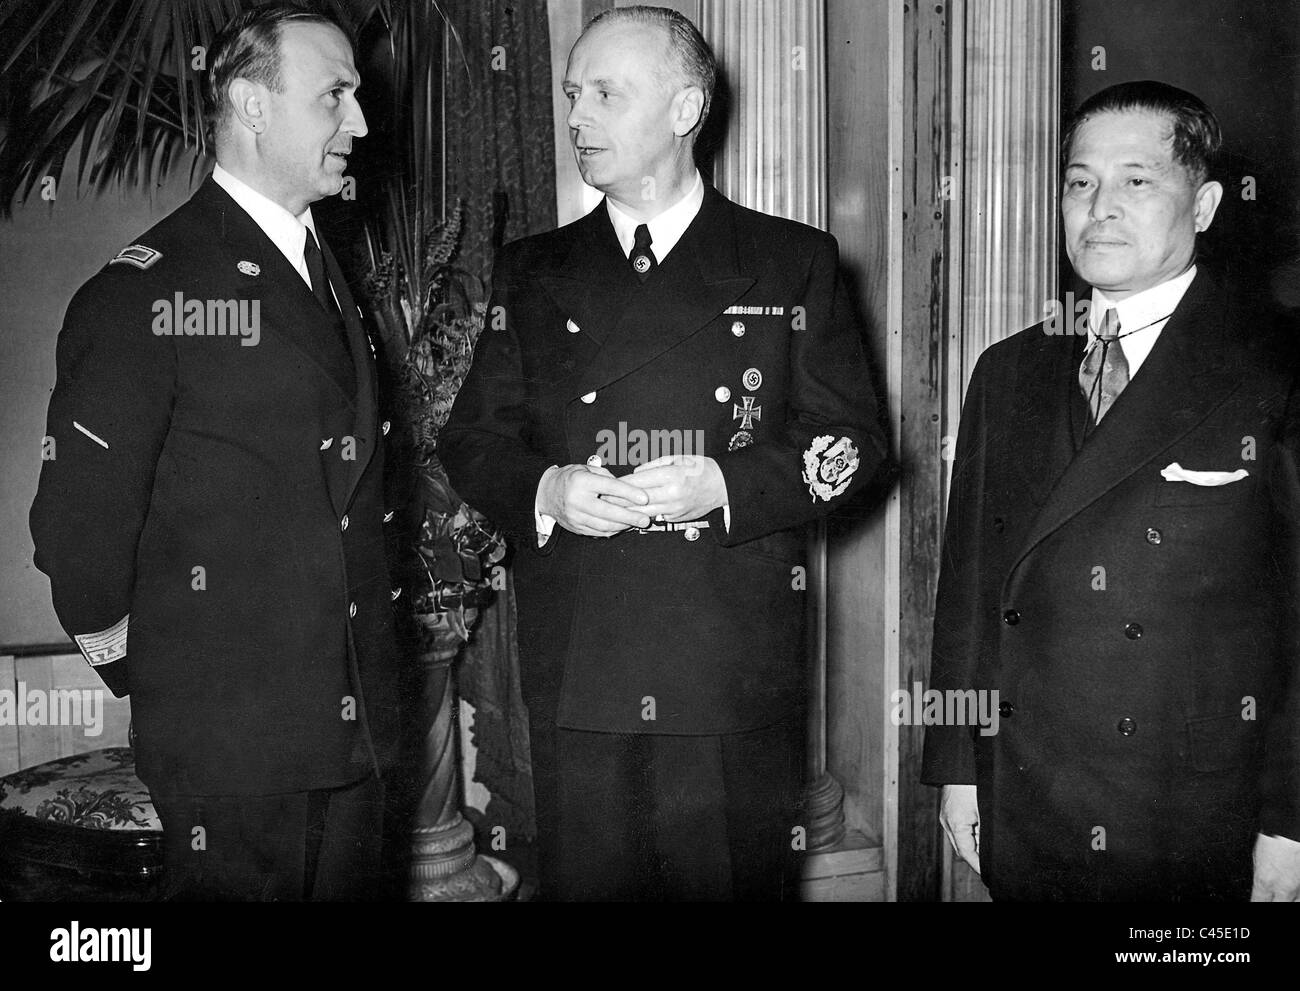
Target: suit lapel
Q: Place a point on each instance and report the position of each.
(1181, 382)
(634, 323)
(292, 311)
(366, 407)
(594, 283)
(1045, 376)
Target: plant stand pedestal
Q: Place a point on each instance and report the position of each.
(444, 864)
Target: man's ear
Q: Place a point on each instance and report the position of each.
(249, 101)
(688, 107)
(1207, 204)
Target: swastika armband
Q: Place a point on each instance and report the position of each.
(105, 646)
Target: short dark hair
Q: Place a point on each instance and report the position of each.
(248, 47)
(1196, 135)
(696, 63)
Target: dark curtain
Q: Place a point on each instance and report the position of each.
(500, 164)
(500, 125)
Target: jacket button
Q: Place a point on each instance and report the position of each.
(1006, 710)
(722, 393)
(388, 516)
(1133, 631)
(692, 533)
(572, 327)
(998, 524)
(1154, 536)
(589, 398)
(1011, 617)
(394, 594)
(1126, 726)
(738, 329)
(344, 523)
(352, 609)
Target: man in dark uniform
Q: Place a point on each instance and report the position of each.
(664, 392)
(1121, 555)
(212, 520)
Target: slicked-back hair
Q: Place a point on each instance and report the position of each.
(248, 47)
(694, 59)
(1196, 135)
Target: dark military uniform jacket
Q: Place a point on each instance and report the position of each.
(212, 520)
(1138, 627)
(740, 346)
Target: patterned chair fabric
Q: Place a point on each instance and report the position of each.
(97, 790)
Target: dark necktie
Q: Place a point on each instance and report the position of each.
(1104, 372)
(320, 283)
(642, 258)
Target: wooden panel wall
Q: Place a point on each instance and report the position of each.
(1009, 80)
(864, 173)
(927, 155)
(772, 158)
(27, 746)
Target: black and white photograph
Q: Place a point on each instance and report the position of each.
(582, 451)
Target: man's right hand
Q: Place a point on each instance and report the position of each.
(572, 494)
(959, 815)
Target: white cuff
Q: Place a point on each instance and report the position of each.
(726, 517)
(545, 524)
(105, 646)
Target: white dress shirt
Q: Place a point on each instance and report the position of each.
(1138, 312)
(666, 230)
(287, 232)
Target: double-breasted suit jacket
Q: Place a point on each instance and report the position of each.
(215, 504)
(740, 346)
(1139, 628)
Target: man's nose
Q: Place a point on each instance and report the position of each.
(355, 122)
(577, 114)
(1104, 205)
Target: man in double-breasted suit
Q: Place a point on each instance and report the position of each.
(211, 514)
(1119, 567)
(664, 391)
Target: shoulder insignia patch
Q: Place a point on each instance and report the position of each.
(828, 467)
(139, 255)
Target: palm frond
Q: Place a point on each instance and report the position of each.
(119, 79)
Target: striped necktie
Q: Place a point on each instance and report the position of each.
(1104, 372)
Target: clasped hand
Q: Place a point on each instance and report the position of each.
(590, 501)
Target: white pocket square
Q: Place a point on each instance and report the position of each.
(1177, 473)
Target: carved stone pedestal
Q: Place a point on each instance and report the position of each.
(825, 813)
(444, 864)
(445, 867)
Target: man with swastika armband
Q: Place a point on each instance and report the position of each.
(213, 522)
(665, 391)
